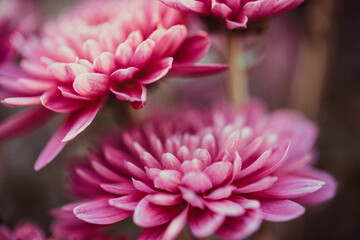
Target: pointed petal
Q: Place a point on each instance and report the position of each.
(240, 227)
(82, 120)
(156, 70)
(21, 101)
(100, 212)
(197, 181)
(257, 186)
(55, 101)
(225, 207)
(148, 214)
(132, 92)
(91, 84)
(280, 210)
(203, 223)
(291, 187)
(23, 122)
(218, 172)
(193, 48)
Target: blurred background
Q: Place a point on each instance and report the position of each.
(308, 59)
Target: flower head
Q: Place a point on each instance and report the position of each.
(222, 172)
(24, 231)
(93, 51)
(17, 17)
(236, 13)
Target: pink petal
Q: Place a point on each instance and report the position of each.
(291, 187)
(197, 70)
(21, 101)
(325, 193)
(142, 187)
(194, 165)
(69, 92)
(220, 193)
(203, 223)
(123, 188)
(91, 49)
(240, 227)
(124, 53)
(197, 181)
(257, 186)
(170, 41)
(168, 180)
(280, 210)
(262, 9)
(124, 75)
(165, 199)
(169, 161)
(82, 120)
(220, 10)
(148, 214)
(256, 165)
(193, 48)
(74, 69)
(240, 23)
(188, 5)
(218, 172)
(100, 212)
(105, 63)
(156, 70)
(143, 53)
(132, 92)
(128, 202)
(58, 71)
(225, 207)
(91, 84)
(192, 198)
(55, 101)
(176, 225)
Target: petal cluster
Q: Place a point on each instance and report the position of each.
(236, 13)
(24, 231)
(93, 51)
(221, 172)
(17, 18)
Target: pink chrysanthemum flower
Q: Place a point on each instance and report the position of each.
(23, 231)
(93, 51)
(236, 13)
(222, 172)
(17, 17)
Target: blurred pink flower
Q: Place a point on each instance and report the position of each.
(23, 231)
(223, 172)
(236, 13)
(92, 51)
(17, 18)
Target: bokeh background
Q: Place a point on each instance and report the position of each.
(308, 59)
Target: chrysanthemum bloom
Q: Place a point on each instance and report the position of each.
(223, 173)
(236, 13)
(95, 50)
(17, 17)
(23, 231)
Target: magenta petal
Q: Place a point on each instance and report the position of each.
(203, 223)
(291, 187)
(280, 210)
(262, 9)
(176, 225)
(168, 180)
(124, 74)
(221, 193)
(142, 53)
(82, 120)
(91, 84)
(132, 92)
(193, 48)
(218, 172)
(148, 214)
(325, 193)
(197, 181)
(197, 70)
(240, 227)
(100, 212)
(164, 199)
(188, 5)
(257, 186)
(225, 207)
(153, 233)
(55, 101)
(24, 122)
(220, 10)
(21, 101)
(157, 70)
(128, 202)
